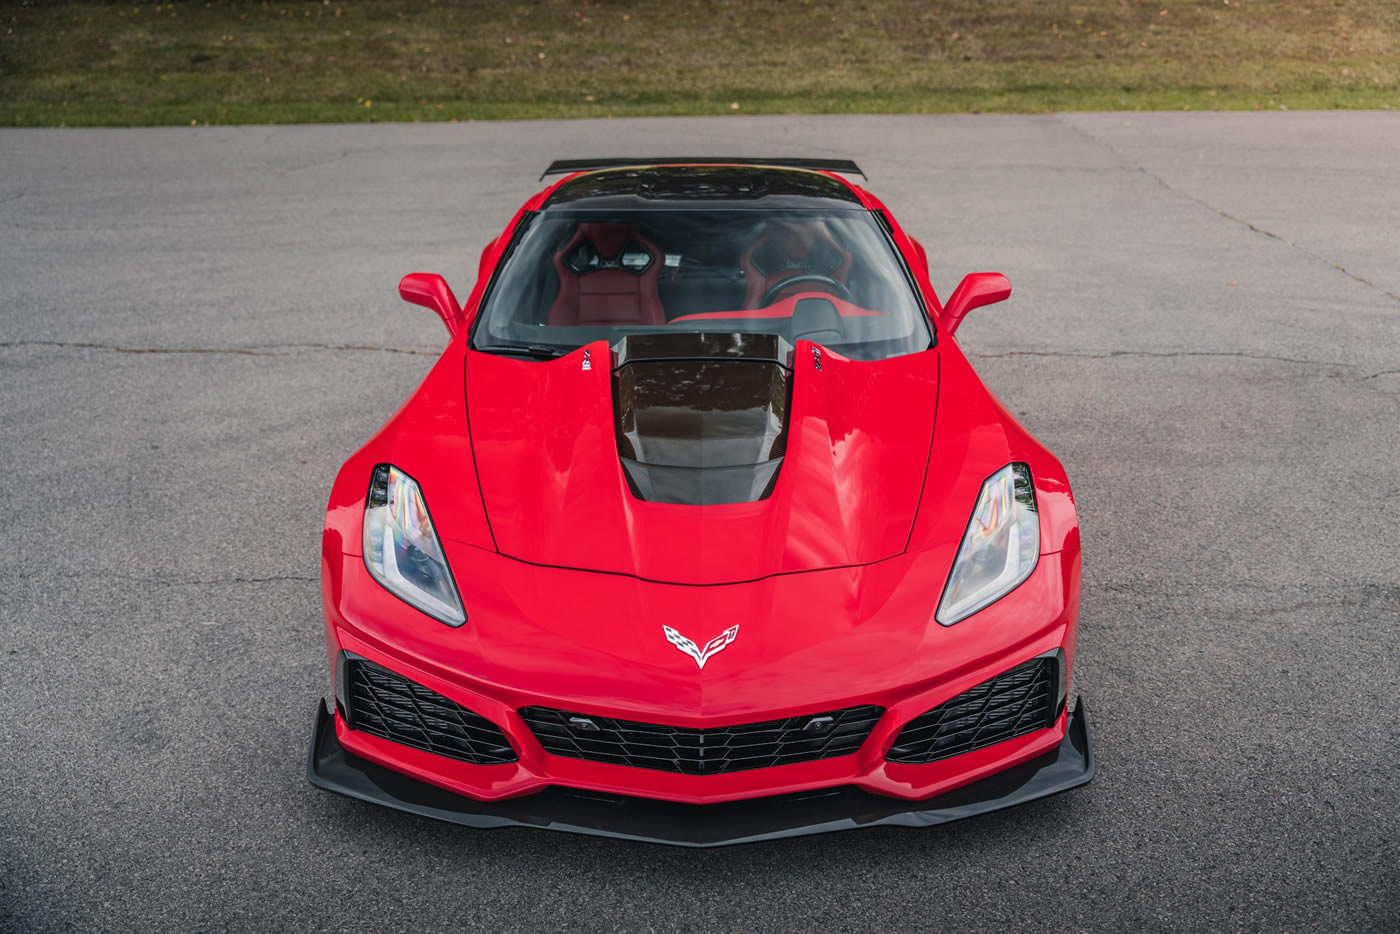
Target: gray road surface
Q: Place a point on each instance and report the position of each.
(197, 325)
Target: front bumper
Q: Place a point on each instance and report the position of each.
(550, 637)
(332, 767)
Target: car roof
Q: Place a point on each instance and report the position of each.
(718, 186)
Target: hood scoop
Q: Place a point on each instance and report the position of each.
(700, 458)
(702, 419)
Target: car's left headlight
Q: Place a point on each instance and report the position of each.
(999, 548)
(403, 552)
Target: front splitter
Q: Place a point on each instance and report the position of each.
(332, 767)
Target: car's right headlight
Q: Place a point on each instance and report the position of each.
(999, 548)
(403, 552)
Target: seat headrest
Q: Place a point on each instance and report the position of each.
(607, 239)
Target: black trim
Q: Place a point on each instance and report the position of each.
(707, 751)
(702, 347)
(1019, 701)
(332, 767)
(384, 703)
(567, 166)
(674, 393)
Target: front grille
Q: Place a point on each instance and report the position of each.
(702, 752)
(1012, 704)
(391, 706)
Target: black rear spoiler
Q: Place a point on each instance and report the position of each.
(565, 166)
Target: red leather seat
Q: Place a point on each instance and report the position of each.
(595, 288)
(788, 249)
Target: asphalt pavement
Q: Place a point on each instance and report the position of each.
(197, 325)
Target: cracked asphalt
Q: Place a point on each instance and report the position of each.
(198, 325)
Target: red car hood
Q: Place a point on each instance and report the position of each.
(544, 438)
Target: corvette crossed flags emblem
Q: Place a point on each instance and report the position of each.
(711, 648)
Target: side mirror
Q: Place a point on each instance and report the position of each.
(432, 291)
(976, 289)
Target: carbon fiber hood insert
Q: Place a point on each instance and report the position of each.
(702, 418)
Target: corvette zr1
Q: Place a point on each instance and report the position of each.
(701, 530)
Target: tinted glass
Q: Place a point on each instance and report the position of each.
(828, 275)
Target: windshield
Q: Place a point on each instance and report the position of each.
(576, 276)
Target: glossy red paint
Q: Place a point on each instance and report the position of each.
(976, 289)
(554, 637)
(432, 291)
(555, 492)
(833, 580)
(920, 252)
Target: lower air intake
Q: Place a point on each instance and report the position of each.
(392, 707)
(1012, 704)
(702, 752)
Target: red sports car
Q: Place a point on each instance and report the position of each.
(702, 530)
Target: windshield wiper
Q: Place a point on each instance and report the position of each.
(537, 351)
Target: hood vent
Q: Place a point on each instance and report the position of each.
(702, 419)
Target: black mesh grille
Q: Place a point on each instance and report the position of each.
(389, 705)
(702, 752)
(1014, 703)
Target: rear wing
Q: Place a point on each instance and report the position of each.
(566, 166)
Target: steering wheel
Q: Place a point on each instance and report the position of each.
(774, 289)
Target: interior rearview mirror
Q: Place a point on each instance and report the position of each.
(432, 291)
(976, 289)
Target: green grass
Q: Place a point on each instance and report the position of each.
(331, 60)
